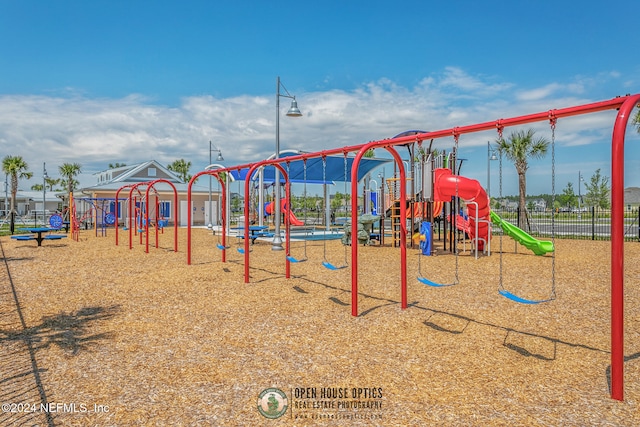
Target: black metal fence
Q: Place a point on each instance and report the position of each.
(585, 224)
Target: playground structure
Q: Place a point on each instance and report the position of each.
(99, 214)
(270, 207)
(624, 105)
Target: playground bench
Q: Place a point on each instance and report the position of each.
(54, 236)
(24, 237)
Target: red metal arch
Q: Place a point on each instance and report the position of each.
(151, 186)
(215, 173)
(247, 182)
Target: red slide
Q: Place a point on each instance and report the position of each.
(447, 185)
(293, 220)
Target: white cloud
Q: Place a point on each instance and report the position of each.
(96, 132)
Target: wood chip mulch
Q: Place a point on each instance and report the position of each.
(105, 335)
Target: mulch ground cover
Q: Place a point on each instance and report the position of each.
(105, 335)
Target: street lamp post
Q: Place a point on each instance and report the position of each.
(220, 159)
(580, 179)
(44, 193)
(491, 155)
(294, 111)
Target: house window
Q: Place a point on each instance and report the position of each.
(165, 210)
(151, 172)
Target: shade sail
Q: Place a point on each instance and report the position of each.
(316, 173)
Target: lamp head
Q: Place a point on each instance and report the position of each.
(220, 158)
(294, 111)
(493, 156)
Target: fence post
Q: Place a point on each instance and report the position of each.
(638, 224)
(593, 223)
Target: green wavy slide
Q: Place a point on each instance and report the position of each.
(539, 247)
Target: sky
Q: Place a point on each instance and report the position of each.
(114, 81)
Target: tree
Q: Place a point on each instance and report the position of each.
(531, 206)
(181, 168)
(568, 197)
(519, 148)
(51, 182)
(16, 168)
(598, 191)
(69, 171)
(116, 165)
(636, 120)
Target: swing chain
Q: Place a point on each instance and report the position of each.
(456, 138)
(552, 122)
(500, 129)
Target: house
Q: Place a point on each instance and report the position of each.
(101, 197)
(29, 203)
(539, 205)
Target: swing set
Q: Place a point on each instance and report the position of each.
(502, 290)
(139, 216)
(326, 263)
(552, 295)
(424, 243)
(624, 106)
(304, 258)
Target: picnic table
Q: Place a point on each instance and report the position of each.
(38, 237)
(255, 231)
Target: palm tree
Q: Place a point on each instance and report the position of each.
(636, 120)
(16, 168)
(519, 148)
(69, 171)
(51, 182)
(181, 167)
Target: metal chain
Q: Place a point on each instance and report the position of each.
(500, 138)
(552, 121)
(345, 197)
(304, 204)
(456, 136)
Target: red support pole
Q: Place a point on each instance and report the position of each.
(617, 247)
(175, 225)
(146, 219)
(247, 204)
(117, 206)
(247, 180)
(151, 185)
(194, 178)
(287, 229)
(223, 186)
(354, 227)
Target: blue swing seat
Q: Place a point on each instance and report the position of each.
(292, 259)
(220, 246)
(428, 282)
(331, 266)
(521, 300)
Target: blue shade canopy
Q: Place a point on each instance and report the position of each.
(334, 169)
